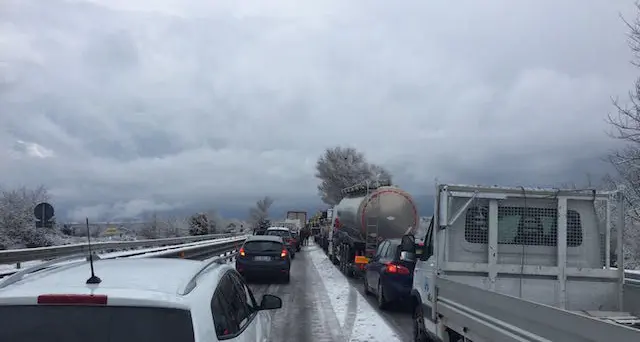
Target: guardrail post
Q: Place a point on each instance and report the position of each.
(18, 265)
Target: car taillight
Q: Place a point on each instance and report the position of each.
(242, 251)
(283, 253)
(65, 299)
(397, 269)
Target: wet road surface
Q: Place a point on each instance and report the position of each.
(307, 313)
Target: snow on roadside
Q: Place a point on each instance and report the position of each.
(368, 325)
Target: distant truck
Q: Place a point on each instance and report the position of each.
(369, 213)
(297, 215)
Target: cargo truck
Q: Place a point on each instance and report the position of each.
(297, 215)
(517, 264)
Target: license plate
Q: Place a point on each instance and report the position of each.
(262, 258)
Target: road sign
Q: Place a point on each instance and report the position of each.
(43, 211)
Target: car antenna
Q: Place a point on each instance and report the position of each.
(94, 279)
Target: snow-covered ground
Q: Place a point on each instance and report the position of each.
(362, 323)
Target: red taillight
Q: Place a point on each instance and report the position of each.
(397, 269)
(63, 299)
(242, 252)
(283, 253)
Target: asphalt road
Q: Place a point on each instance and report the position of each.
(307, 314)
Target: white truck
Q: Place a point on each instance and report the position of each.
(518, 264)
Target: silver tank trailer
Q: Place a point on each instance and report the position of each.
(394, 208)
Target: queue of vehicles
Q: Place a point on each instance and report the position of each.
(495, 263)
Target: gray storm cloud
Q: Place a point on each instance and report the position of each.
(149, 105)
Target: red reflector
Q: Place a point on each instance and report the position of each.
(64, 299)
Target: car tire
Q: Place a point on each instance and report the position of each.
(382, 302)
(293, 255)
(287, 278)
(365, 283)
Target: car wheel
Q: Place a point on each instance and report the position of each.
(287, 278)
(419, 330)
(293, 255)
(382, 302)
(367, 292)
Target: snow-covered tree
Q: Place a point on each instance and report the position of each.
(17, 226)
(215, 221)
(150, 229)
(199, 224)
(260, 212)
(626, 160)
(340, 167)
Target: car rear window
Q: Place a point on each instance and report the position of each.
(263, 246)
(282, 233)
(40, 323)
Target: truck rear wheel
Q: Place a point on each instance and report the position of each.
(419, 329)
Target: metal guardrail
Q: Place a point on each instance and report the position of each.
(43, 253)
(223, 250)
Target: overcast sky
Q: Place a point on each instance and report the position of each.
(121, 106)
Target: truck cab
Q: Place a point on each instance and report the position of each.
(492, 255)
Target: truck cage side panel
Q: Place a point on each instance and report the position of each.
(482, 314)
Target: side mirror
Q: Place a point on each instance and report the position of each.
(270, 302)
(407, 256)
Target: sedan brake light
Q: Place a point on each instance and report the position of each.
(397, 269)
(242, 253)
(72, 299)
(284, 253)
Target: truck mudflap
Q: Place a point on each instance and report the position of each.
(483, 315)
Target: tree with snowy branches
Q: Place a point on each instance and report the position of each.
(199, 224)
(340, 167)
(17, 223)
(626, 124)
(260, 213)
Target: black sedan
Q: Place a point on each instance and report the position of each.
(264, 256)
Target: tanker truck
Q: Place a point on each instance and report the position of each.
(369, 213)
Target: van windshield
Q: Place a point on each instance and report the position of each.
(41, 323)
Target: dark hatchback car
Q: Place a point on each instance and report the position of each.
(286, 236)
(264, 256)
(388, 277)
